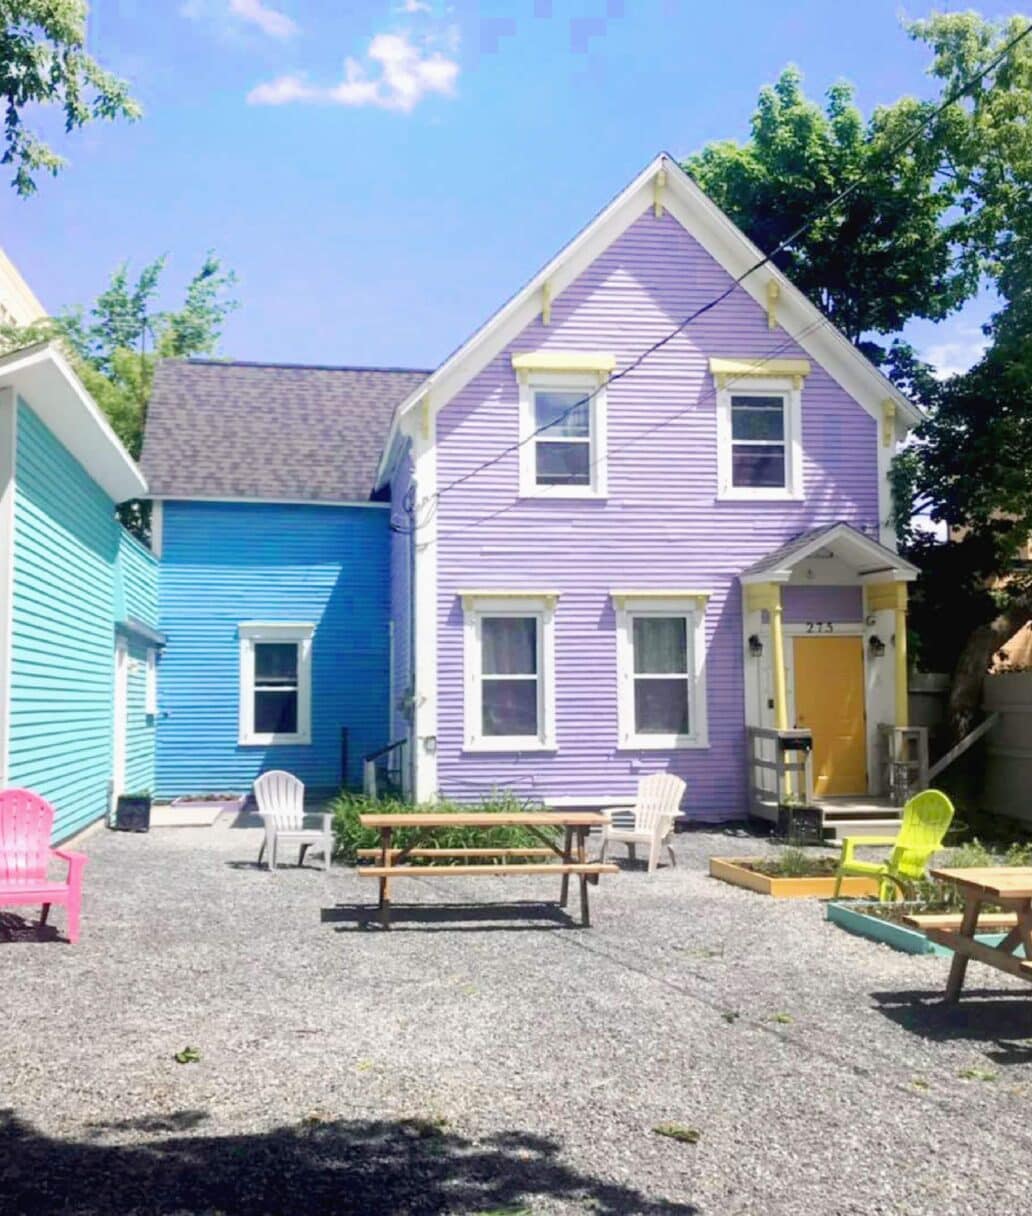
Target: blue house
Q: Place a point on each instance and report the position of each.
(78, 598)
(275, 570)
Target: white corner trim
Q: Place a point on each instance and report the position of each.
(790, 390)
(424, 606)
(8, 461)
(251, 632)
(586, 382)
(157, 527)
(693, 608)
(542, 609)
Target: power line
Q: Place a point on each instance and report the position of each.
(793, 236)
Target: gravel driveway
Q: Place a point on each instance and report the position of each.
(501, 1062)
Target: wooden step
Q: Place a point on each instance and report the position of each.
(950, 922)
(835, 829)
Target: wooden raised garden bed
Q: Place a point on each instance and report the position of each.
(743, 872)
(901, 926)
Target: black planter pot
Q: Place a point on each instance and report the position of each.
(132, 813)
(799, 824)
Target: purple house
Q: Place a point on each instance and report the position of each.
(604, 564)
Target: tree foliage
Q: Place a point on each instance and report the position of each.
(43, 61)
(877, 259)
(115, 343)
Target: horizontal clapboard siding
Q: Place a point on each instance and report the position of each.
(225, 563)
(661, 525)
(61, 699)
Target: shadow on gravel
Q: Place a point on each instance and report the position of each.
(982, 1014)
(525, 916)
(15, 928)
(403, 1168)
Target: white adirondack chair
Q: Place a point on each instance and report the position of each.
(281, 805)
(649, 822)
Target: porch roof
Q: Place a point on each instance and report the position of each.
(873, 561)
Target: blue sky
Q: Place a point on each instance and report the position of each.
(382, 176)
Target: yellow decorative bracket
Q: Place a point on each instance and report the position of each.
(888, 422)
(546, 303)
(425, 415)
(773, 295)
(658, 185)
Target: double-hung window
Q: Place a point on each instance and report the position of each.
(759, 428)
(662, 671)
(275, 682)
(509, 696)
(563, 424)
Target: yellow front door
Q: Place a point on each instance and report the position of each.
(829, 701)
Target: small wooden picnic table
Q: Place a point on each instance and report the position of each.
(1009, 887)
(571, 857)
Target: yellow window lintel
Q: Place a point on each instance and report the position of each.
(760, 367)
(620, 597)
(599, 362)
(471, 596)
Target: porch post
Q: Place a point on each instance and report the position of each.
(902, 698)
(777, 638)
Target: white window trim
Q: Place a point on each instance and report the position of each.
(788, 387)
(475, 608)
(579, 381)
(150, 704)
(693, 608)
(275, 631)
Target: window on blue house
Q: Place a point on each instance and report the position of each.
(275, 682)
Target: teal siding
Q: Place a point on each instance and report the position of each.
(137, 590)
(62, 670)
(225, 563)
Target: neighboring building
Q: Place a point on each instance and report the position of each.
(618, 568)
(18, 303)
(77, 598)
(275, 590)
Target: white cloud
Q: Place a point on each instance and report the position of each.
(269, 20)
(396, 75)
(952, 358)
(415, 6)
(226, 16)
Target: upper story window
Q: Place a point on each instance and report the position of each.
(759, 428)
(510, 683)
(275, 682)
(563, 423)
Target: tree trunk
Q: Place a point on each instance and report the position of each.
(973, 664)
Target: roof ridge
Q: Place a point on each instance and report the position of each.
(305, 367)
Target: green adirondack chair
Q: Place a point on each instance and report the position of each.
(926, 819)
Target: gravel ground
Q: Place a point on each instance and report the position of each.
(505, 1062)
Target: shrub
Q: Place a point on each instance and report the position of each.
(349, 835)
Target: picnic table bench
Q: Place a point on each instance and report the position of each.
(569, 858)
(1009, 887)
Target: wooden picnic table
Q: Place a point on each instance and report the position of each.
(1009, 887)
(572, 854)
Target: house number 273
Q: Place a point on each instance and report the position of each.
(820, 627)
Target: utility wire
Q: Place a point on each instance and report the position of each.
(890, 154)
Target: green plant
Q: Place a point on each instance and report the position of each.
(793, 862)
(678, 1131)
(782, 1018)
(350, 836)
(977, 1074)
(189, 1055)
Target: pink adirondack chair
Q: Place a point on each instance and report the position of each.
(26, 821)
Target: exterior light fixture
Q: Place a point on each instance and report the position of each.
(755, 645)
(875, 646)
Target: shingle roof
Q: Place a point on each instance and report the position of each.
(262, 430)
